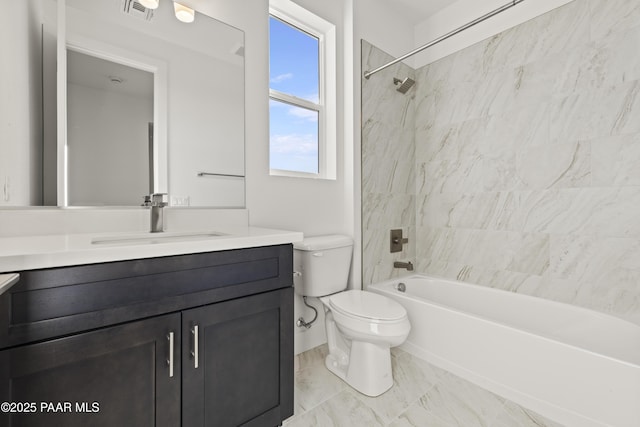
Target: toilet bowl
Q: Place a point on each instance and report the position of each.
(361, 326)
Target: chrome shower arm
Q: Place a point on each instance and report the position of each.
(466, 26)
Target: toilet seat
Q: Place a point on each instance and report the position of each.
(363, 305)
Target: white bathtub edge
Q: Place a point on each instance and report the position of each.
(562, 381)
(554, 412)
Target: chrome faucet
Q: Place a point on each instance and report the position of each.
(407, 265)
(157, 213)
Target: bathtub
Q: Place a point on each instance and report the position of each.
(575, 366)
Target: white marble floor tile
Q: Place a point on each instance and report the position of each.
(343, 409)
(312, 357)
(516, 416)
(459, 403)
(423, 395)
(314, 385)
(417, 416)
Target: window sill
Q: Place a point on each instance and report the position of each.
(294, 174)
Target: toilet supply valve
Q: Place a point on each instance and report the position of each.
(301, 322)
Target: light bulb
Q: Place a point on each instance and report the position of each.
(149, 4)
(184, 13)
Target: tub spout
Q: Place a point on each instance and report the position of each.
(407, 265)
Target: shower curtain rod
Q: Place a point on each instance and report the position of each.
(468, 25)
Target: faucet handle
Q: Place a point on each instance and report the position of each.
(158, 199)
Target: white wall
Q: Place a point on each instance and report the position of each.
(378, 22)
(20, 115)
(464, 11)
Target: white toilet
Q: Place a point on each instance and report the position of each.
(361, 326)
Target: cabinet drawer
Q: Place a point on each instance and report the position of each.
(54, 302)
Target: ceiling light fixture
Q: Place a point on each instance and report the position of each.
(184, 13)
(149, 4)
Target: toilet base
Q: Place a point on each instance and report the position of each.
(364, 365)
(370, 374)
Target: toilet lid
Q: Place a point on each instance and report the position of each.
(368, 305)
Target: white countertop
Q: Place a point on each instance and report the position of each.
(34, 252)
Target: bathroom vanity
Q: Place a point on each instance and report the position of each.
(189, 339)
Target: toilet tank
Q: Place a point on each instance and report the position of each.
(321, 264)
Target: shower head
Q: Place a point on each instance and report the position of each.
(405, 84)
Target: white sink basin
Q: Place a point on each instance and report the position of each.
(154, 238)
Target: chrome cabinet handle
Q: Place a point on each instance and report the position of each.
(170, 359)
(194, 352)
(7, 281)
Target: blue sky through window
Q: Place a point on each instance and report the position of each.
(293, 70)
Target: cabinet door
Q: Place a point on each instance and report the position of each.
(238, 362)
(118, 376)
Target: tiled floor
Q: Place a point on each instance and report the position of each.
(422, 396)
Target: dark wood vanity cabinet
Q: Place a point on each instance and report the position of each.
(240, 378)
(114, 376)
(191, 340)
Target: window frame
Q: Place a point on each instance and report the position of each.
(307, 22)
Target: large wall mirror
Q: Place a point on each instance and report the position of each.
(141, 102)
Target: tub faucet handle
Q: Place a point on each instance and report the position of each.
(397, 240)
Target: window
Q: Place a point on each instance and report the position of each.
(302, 94)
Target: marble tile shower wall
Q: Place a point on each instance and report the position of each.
(527, 160)
(388, 166)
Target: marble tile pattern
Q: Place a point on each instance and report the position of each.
(388, 166)
(422, 395)
(527, 159)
